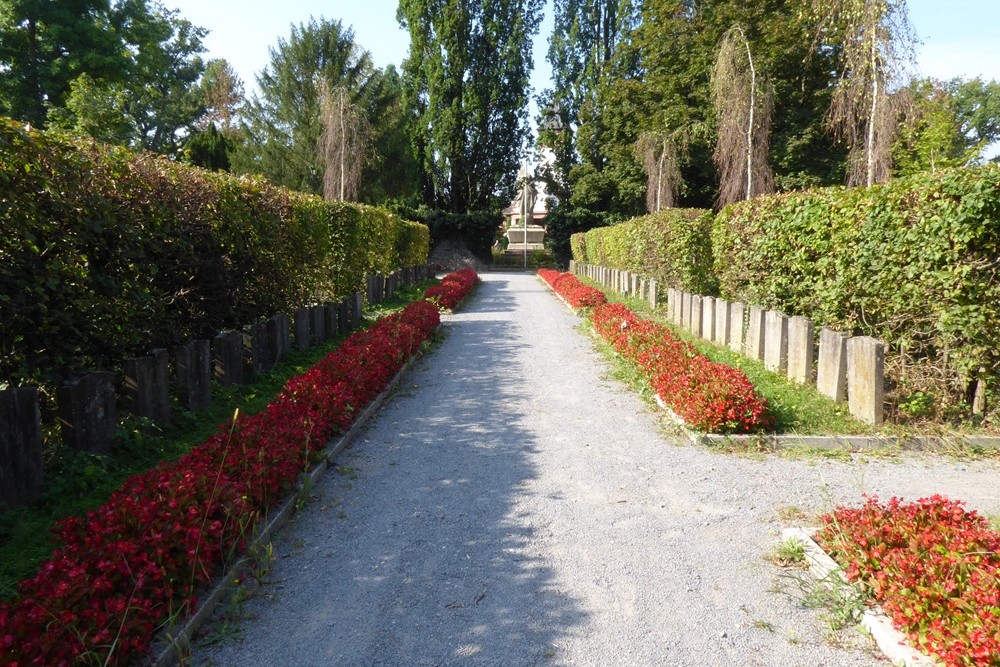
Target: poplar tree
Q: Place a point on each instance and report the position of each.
(466, 82)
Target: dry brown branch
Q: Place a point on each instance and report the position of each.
(342, 145)
(660, 155)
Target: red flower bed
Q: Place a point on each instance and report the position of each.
(708, 396)
(126, 567)
(453, 288)
(570, 288)
(932, 565)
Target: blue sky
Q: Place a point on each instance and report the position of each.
(959, 37)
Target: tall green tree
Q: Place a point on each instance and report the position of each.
(283, 121)
(466, 82)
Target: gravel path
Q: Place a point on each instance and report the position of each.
(514, 505)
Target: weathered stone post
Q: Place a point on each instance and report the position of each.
(696, 315)
(330, 319)
(721, 332)
(228, 361)
(356, 310)
(88, 412)
(344, 316)
(866, 378)
(261, 353)
(278, 340)
(21, 471)
(736, 326)
(800, 350)
(652, 294)
(776, 342)
(317, 324)
(831, 373)
(193, 370)
(755, 333)
(302, 318)
(147, 386)
(708, 317)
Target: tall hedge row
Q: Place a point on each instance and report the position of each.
(673, 246)
(914, 263)
(105, 253)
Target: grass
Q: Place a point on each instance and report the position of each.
(77, 482)
(796, 409)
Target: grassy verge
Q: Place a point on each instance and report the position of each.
(796, 409)
(77, 482)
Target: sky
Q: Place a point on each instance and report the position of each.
(958, 37)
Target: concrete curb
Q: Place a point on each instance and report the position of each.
(890, 641)
(175, 641)
(850, 443)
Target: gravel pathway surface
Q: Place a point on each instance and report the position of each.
(513, 504)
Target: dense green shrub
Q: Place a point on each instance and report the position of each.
(562, 224)
(673, 246)
(105, 253)
(914, 263)
(477, 230)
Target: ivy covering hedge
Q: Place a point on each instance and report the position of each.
(914, 263)
(105, 253)
(673, 246)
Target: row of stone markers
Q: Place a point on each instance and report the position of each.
(623, 282)
(849, 368)
(88, 406)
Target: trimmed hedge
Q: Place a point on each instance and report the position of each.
(477, 229)
(105, 253)
(673, 246)
(914, 262)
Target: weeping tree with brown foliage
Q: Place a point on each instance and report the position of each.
(876, 43)
(343, 144)
(744, 103)
(660, 155)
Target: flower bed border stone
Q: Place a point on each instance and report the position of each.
(849, 443)
(890, 641)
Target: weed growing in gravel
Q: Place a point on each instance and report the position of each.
(789, 553)
(791, 514)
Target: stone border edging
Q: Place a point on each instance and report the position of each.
(829, 442)
(178, 645)
(890, 641)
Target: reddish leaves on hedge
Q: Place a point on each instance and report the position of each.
(932, 565)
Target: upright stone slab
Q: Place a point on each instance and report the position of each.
(652, 294)
(635, 285)
(736, 326)
(696, 315)
(302, 318)
(688, 308)
(147, 386)
(21, 471)
(755, 333)
(261, 354)
(330, 319)
(317, 324)
(380, 288)
(278, 337)
(831, 371)
(193, 372)
(800, 350)
(776, 342)
(721, 336)
(88, 412)
(670, 303)
(344, 316)
(228, 362)
(708, 317)
(866, 378)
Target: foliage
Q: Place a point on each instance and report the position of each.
(466, 81)
(208, 149)
(563, 223)
(661, 160)
(932, 565)
(343, 144)
(744, 102)
(452, 289)
(117, 573)
(673, 247)
(570, 288)
(283, 122)
(477, 230)
(876, 42)
(912, 262)
(105, 254)
(710, 397)
(222, 94)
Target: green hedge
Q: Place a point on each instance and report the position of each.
(915, 263)
(673, 246)
(477, 230)
(105, 254)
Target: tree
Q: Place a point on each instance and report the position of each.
(222, 95)
(876, 45)
(209, 149)
(660, 157)
(743, 103)
(95, 109)
(342, 145)
(466, 83)
(282, 121)
(977, 108)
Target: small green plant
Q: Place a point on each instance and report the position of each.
(918, 404)
(349, 472)
(788, 553)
